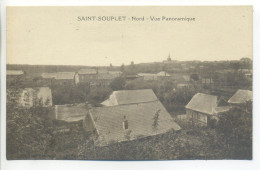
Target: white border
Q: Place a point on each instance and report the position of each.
(151, 165)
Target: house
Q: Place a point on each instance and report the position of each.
(186, 78)
(103, 80)
(241, 97)
(61, 78)
(202, 107)
(30, 97)
(102, 71)
(48, 78)
(67, 78)
(13, 75)
(148, 76)
(183, 86)
(87, 75)
(163, 76)
(48, 75)
(123, 97)
(207, 82)
(128, 121)
(115, 73)
(71, 112)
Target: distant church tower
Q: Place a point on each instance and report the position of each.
(169, 58)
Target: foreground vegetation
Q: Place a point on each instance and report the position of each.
(31, 134)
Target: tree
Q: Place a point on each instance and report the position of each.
(194, 77)
(110, 66)
(122, 68)
(235, 131)
(118, 83)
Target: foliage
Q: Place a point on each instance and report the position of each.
(117, 84)
(155, 119)
(235, 128)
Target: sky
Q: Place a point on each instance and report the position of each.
(55, 36)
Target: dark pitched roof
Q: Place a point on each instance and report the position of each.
(129, 97)
(203, 103)
(241, 96)
(108, 121)
(87, 71)
(71, 112)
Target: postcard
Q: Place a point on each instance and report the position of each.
(129, 82)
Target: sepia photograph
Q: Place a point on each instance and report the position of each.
(129, 83)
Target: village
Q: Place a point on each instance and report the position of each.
(100, 109)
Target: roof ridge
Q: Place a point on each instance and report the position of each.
(126, 104)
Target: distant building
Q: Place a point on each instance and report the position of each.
(87, 75)
(147, 76)
(241, 97)
(129, 117)
(30, 97)
(12, 75)
(186, 78)
(115, 73)
(159, 76)
(208, 82)
(163, 75)
(103, 80)
(183, 86)
(203, 107)
(61, 78)
(122, 97)
(66, 78)
(131, 77)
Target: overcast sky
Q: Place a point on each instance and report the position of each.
(53, 35)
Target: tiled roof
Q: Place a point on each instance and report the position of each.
(203, 103)
(108, 122)
(241, 96)
(70, 112)
(14, 72)
(87, 71)
(130, 97)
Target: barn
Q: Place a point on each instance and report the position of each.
(128, 122)
(87, 75)
(241, 97)
(202, 108)
(129, 115)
